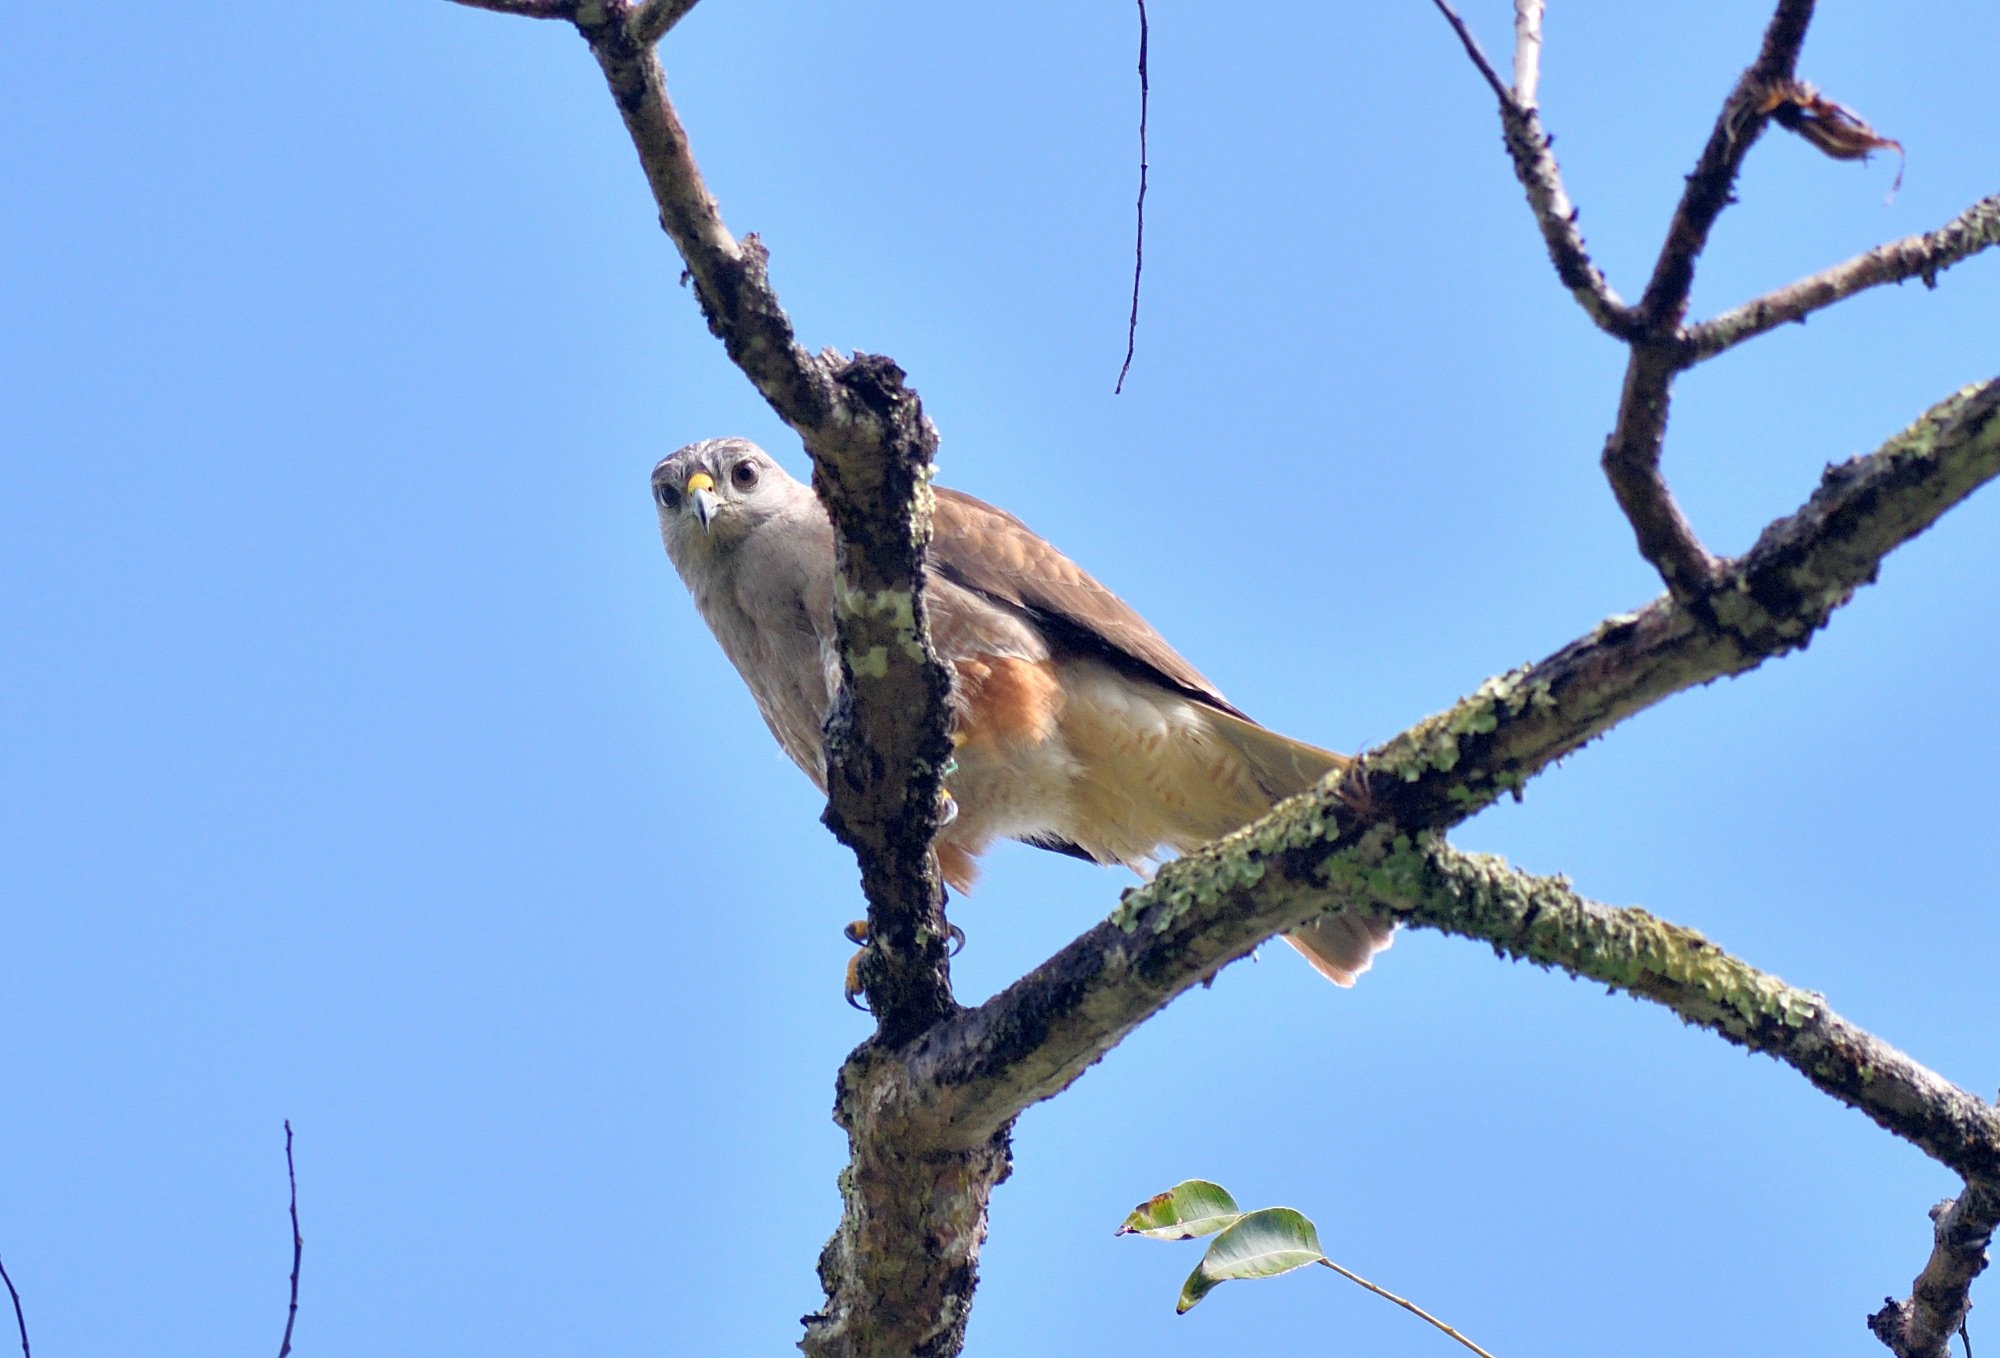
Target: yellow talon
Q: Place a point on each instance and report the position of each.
(857, 934)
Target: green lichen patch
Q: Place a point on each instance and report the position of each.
(1198, 880)
(1433, 745)
(1236, 862)
(895, 607)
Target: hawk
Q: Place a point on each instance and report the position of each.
(1076, 727)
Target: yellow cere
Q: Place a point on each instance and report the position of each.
(700, 481)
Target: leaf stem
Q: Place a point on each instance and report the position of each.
(1419, 1312)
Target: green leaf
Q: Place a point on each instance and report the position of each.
(1259, 1245)
(1183, 1212)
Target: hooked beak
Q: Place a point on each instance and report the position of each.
(702, 498)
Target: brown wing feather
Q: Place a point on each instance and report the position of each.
(991, 552)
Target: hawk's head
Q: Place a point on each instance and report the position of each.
(713, 494)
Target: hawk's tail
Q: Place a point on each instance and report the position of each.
(1339, 946)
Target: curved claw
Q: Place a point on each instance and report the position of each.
(856, 932)
(856, 997)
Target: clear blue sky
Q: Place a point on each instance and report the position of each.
(365, 764)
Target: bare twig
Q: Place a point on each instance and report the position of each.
(20, 1320)
(527, 9)
(1926, 256)
(1708, 188)
(978, 1070)
(653, 20)
(1475, 51)
(1962, 1231)
(298, 1244)
(1527, 51)
(1139, 241)
(1408, 1305)
(1528, 146)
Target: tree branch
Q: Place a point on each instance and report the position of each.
(527, 9)
(1529, 147)
(1925, 257)
(886, 738)
(871, 447)
(1527, 51)
(653, 19)
(1922, 1326)
(1544, 921)
(1631, 463)
(1709, 187)
(977, 1070)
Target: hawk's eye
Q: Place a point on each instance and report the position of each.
(743, 475)
(669, 498)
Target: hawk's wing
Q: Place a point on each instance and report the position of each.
(990, 552)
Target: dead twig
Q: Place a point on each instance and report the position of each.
(298, 1244)
(1139, 243)
(20, 1320)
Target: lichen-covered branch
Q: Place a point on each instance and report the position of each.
(1543, 920)
(872, 447)
(982, 1067)
(929, 1102)
(1922, 1325)
(900, 1273)
(1925, 256)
